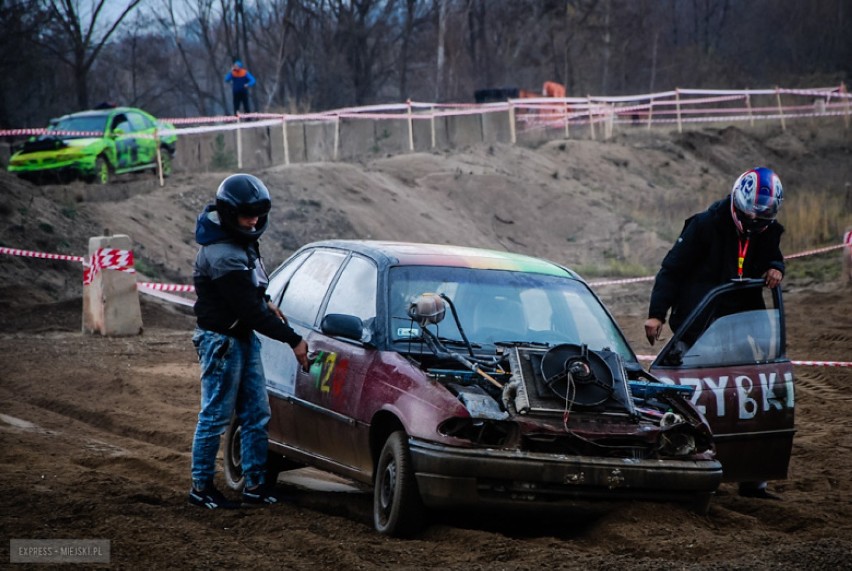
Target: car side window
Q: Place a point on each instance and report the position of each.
(355, 291)
(278, 280)
(139, 122)
(121, 122)
(309, 284)
(737, 326)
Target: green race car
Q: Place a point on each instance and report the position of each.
(93, 145)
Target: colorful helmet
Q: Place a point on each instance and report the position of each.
(755, 199)
(243, 195)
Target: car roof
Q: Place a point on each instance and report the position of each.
(416, 254)
(99, 112)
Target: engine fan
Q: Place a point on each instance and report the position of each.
(579, 376)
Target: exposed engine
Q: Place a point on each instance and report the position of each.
(567, 397)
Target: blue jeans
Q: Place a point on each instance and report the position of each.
(232, 382)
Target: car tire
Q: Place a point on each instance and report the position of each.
(397, 508)
(232, 456)
(101, 173)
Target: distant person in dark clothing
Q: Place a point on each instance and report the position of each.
(240, 80)
(736, 237)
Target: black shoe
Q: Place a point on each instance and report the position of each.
(259, 497)
(211, 498)
(759, 493)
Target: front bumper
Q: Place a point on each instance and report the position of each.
(455, 477)
(79, 166)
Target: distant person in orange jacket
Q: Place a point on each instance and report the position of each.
(553, 89)
(240, 80)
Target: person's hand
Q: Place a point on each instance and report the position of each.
(274, 309)
(301, 352)
(653, 327)
(773, 278)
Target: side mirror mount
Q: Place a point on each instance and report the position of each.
(341, 325)
(427, 308)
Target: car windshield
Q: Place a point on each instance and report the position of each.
(498, 305)
(84, 124)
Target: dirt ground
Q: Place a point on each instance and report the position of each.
(96, 431)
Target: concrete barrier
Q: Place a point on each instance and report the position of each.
(464, 130)
(111, 300)
(319, 141)
(258, 147)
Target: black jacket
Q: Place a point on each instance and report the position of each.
(705, 256)
(230, 283)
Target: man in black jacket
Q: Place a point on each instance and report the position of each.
(230, 282)
(736, 237)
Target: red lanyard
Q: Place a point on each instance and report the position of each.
(743, 248)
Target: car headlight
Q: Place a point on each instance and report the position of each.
(480, 431)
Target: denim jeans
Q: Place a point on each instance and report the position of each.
(232, 382)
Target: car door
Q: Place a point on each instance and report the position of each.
(143, 134)
(126, 146)
(731, 351)
(339, 370)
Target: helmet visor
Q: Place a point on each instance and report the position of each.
(753, 223)
(252, 209)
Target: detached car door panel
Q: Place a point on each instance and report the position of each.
(731, 351)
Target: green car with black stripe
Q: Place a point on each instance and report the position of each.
(94, 145)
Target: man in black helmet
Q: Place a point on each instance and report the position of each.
(230, 282)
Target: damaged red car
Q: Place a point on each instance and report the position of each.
(448, 377)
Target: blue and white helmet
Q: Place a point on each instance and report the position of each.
(755, 199)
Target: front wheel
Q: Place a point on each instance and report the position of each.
(397, 508)
(101, 172)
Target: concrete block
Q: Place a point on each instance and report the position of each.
(495, 127)
(464, 130)
(391, 137)
(357, 137)
(423, 134)
(111, 301)
(319, 141)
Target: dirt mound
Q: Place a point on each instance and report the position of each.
(96, 431)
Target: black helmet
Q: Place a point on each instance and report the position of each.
(243, 195)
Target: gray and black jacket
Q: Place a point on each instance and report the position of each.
(230, 282)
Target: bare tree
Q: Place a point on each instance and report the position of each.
(77, 38)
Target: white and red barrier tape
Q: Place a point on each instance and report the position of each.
(122, 260)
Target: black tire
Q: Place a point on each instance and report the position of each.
(232, 457)
(101, 174)
(397, 508)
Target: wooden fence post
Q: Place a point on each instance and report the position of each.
(286, 140)
(780, 109)
(677, 106)
(591, 117)
(748, 104)
(337, 134)
(512, 133)
(410, 128)
(239, 144)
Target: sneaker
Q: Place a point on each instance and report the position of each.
(211, 498)
(759, 491)
(259, 497)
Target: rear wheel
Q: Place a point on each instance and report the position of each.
(233, 456)
(233, 460)
(166, 159)
(397, 508)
